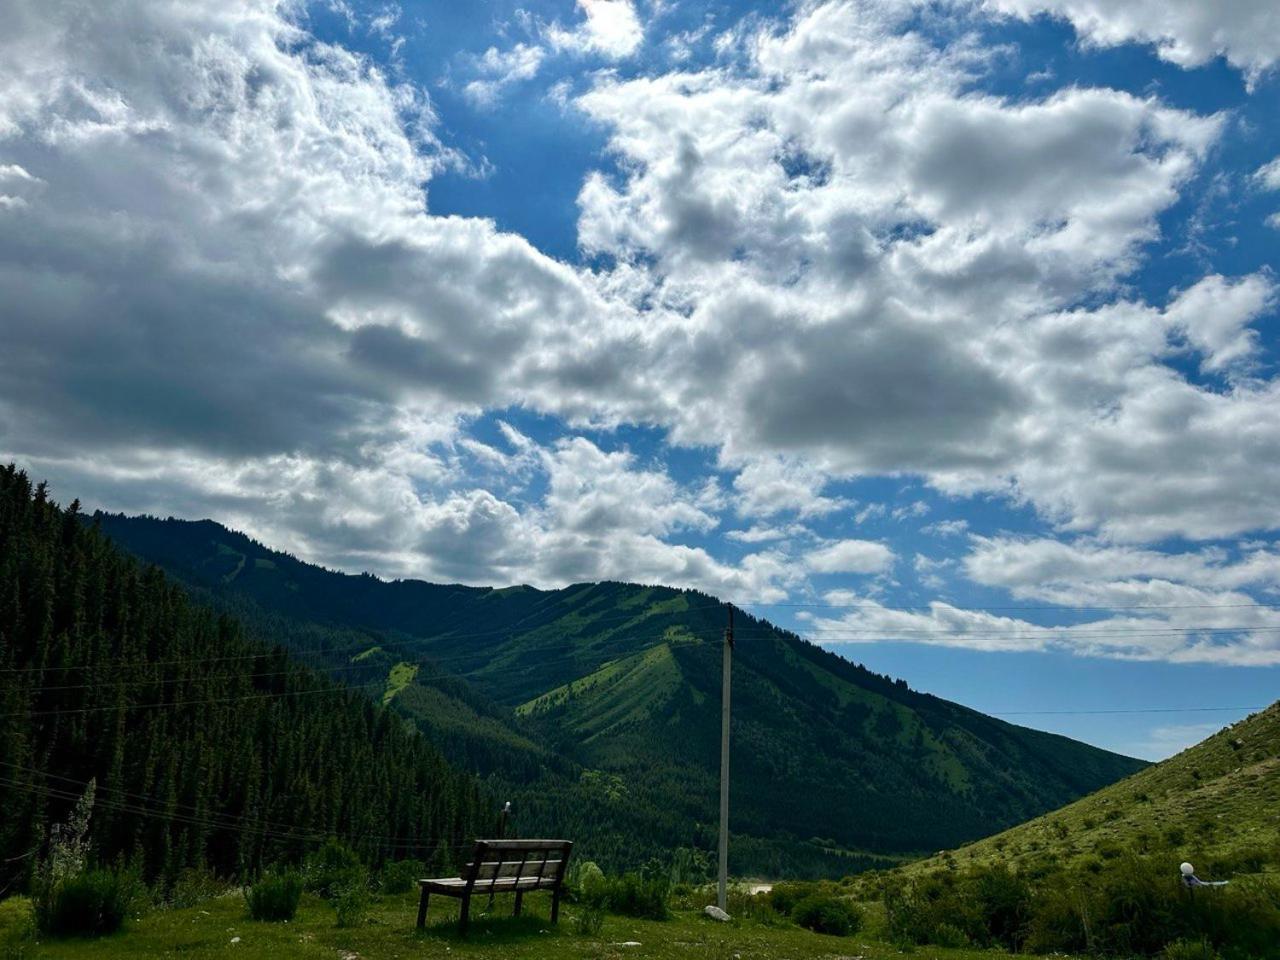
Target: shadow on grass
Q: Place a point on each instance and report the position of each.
(486, 931)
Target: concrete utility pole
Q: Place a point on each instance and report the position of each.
(722, 886)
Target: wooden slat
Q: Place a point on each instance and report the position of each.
(533, 867)
(506, 846)
(452, 886)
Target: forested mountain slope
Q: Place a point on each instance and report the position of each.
(603, 701)
(208, 749)
(1217, 804)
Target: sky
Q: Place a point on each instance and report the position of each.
(943, 333)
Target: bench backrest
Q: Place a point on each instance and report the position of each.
(543, 861)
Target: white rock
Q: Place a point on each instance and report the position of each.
(715, 913)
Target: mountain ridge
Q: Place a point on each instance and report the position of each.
(831, 761)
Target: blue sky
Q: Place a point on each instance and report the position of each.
(943, 333)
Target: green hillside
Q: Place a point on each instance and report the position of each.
(1217, 802)
(598, 705)
(205, 749)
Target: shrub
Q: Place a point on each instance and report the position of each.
(195, 886)
(830, 915)
(17, 928)
(399, 876)
(275, 897)
(784, 896)
(351, 901)
(1003, 903)
(1190, 950)
(949, 935)
(630, 895)
(584, 881)
(588, 921)
(333, 866)
(87, 904)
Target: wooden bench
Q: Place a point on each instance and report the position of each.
(503, 866)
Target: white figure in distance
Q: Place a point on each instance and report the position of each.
(1190, 880)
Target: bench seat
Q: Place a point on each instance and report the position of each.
(503, 866)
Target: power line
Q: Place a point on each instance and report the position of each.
(194, 818)
(237, 827)
(321, 672)
(854, 604)
(1048, 713)
(394, 645)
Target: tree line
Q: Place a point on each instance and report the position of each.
(207, 749)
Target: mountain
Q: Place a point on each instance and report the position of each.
(205, 748)
(1216, 804)
(598, 706)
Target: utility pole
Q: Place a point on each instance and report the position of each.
(722, 887)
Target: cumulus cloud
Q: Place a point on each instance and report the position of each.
(826, 257)
(499, 69)
(610, 28)
(1194, 606)
(1186, 32)
(1268, 177)
(898, 263)
(851, 556)
(1132, 636)
(771, 485)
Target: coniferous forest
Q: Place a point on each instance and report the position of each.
(206, 750)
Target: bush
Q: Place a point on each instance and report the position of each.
(17, 928)
(588, 921)
(195, 886)
(1003, 903)
(585, 881)
(275, 897)
(630, 895)
(784, 896)
(399, 876)
(830, 915)
(334, 866)
(87, 904)
(351, 902)
(1190, 950)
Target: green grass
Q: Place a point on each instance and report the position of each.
(207, 931)
(622, 692)
(401, 676)
(1218, 800)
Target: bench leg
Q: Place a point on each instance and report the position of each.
(422, 908)
(465, 916)
(555, 906)
(519, 901)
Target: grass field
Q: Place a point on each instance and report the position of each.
(219, 928)
(1216, 802)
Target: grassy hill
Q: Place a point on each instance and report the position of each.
(598, 705)
(1218, 801)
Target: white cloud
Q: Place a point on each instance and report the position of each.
(1131, 636)
(1186, 32)
(851, 556)
(499, 69)
(1215, 315)
(611, 29)
(1268, 175)
(760, 533)
(946, 528)
(768, 486)
(897, 262)
(835, 258)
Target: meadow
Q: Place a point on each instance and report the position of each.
(220, 928)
